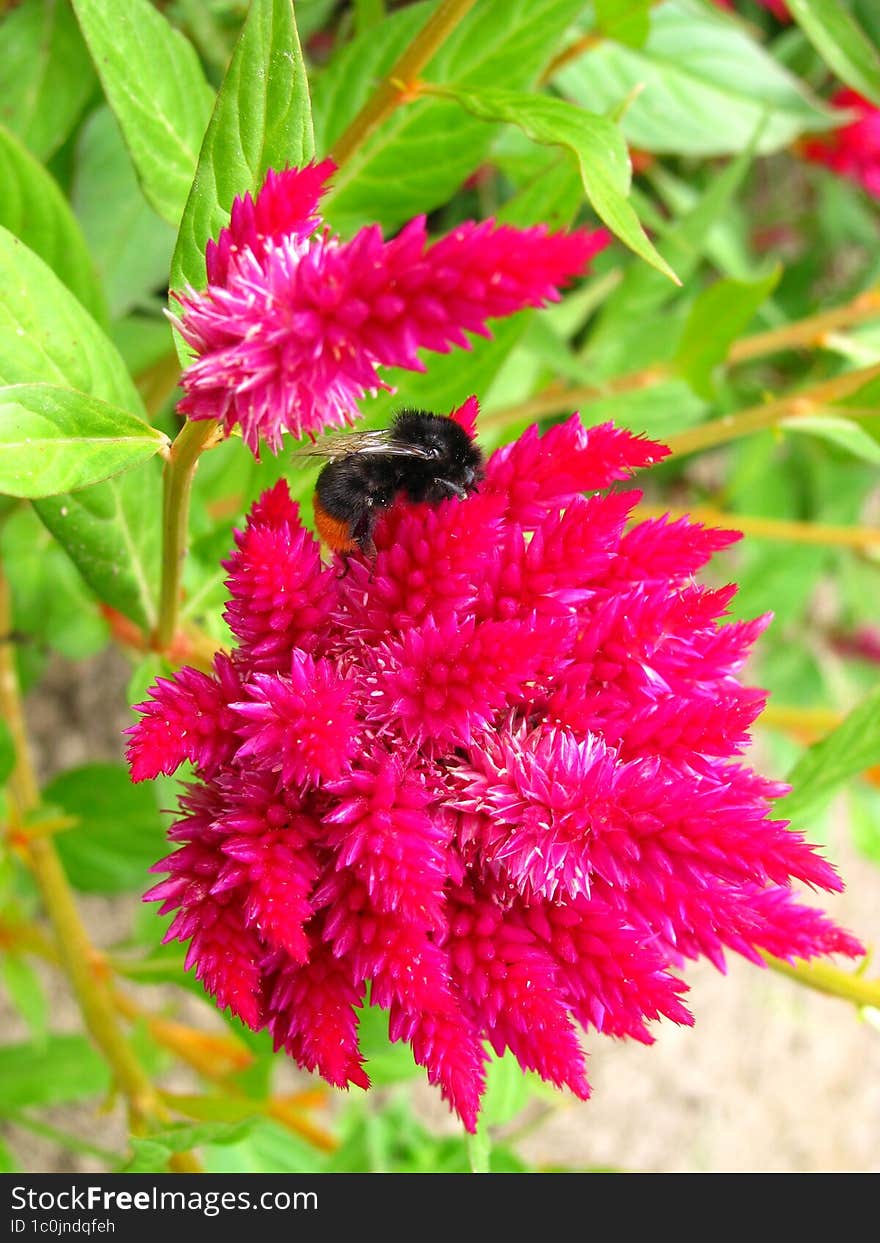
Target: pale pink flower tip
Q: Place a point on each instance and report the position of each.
(852, 150)
(292, 328)
(494, 775)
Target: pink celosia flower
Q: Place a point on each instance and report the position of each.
(495, 775)
(292, 327)
(852, 150)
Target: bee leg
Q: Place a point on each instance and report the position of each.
(343, 557)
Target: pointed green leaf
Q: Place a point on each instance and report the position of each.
(58, 440)
(419, 157)
(111, 530)
(154, 83)
(596, 144)
(841, 42)
(63, 1068)
(46, 76)
(131, 244)
(34, 209)
(120, 833)
(844, 753)
(841, 432)
(719, 315)
(262, 120)
(704, 85)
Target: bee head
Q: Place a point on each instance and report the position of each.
(450, 456)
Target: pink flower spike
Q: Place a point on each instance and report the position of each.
(496, 775)
(292, 329)
(853, 149)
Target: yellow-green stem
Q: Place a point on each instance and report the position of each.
(393, 89)
(758, 418)
(180, 467)
(824, 978)
(76, 956)
(771, 528)
(801, 334)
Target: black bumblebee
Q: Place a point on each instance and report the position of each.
(426, 457)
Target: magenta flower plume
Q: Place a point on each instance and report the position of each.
(292, 327)
(492, 778)
(852, 150)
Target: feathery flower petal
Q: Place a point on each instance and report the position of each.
(292, 327)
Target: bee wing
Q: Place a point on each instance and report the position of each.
(333, 448)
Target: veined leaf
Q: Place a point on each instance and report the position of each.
(596, 144)
(131, 244)
(422, 154)
(154, 83)
(34, 209)
(705, 85)
(58, 440)
(45, 74)
(261, 120)
(110, 530)
(841, 42)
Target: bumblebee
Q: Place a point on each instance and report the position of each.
(425, 457)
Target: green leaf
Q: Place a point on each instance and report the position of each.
(508, 1090)
(46, 336)
(704, 86)
(45, 74)
(841, 42)
(844, 753)
(111, 530)
(50, 600)
(262, 120)
(154, 83)
(34, 209)
(26, 992)
(119, 835)
(719, 315)
(596, 144)
(842, 432)
(112, 534)
(61, 1069)
(132, 246)
(151, 1154)
(58, 440)
(622, 321)
(8, 1163)
(422, 154)
(625, 21)
(7, 752)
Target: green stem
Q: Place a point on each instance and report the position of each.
(759, 527)
(801, 334)
(759, 418)
(394, 88)
(180, 467)
(479, 1148)
(824, 978)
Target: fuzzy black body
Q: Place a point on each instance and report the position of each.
(426, 457)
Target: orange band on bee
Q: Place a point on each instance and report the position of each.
(335, 532)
